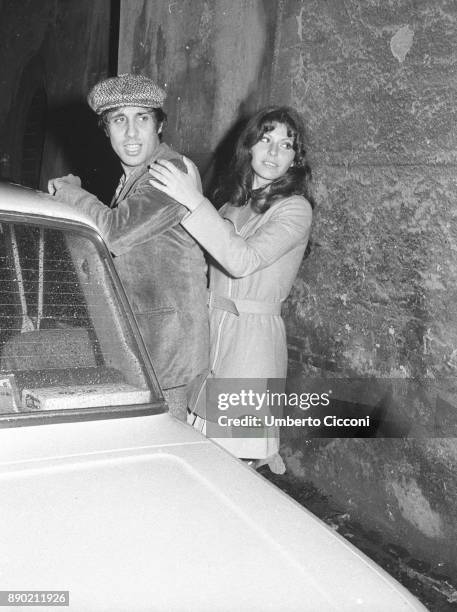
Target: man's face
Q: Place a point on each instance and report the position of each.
(134, 135)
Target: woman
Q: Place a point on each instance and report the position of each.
(257, 241)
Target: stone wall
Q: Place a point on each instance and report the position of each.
(376, 298)
(376, 82)
(215, 59)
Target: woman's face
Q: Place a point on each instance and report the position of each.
(272, 156)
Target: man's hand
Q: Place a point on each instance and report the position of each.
(64, 181)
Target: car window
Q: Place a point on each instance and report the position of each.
(65, 341)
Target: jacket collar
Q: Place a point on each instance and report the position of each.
(231, 213)
(163, 151)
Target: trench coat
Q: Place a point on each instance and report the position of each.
(253, 267)
(162, 268)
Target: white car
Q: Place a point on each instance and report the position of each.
(107, 502)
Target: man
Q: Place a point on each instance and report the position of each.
(162, 268)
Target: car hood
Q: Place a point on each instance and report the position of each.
(155, 517)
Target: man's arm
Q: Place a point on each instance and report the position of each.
(147, 212)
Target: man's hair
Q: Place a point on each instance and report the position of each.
(159, 114)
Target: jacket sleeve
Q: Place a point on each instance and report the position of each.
(288, 226)
(145, 213)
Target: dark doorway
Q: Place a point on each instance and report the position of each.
(33, 139)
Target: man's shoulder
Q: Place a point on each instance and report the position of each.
(164, 152)
(139, 184)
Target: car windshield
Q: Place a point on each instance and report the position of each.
(65, 340)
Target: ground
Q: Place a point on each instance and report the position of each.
(429, 583)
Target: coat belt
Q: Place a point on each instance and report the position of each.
(236, 306)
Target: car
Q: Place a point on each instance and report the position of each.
(110, 504)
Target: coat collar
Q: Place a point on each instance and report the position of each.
(232, 214)
(163, 151)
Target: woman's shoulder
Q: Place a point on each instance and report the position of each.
(227, 210)
(296, 206)
(292, 204)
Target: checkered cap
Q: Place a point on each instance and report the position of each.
(125, 90)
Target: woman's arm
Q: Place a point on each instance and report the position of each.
(288, 224)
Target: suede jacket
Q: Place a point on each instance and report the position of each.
(162, 269)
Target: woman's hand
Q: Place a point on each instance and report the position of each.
(180, 186)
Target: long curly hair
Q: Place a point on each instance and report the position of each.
(237, 187)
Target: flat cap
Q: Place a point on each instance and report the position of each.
(125, 90)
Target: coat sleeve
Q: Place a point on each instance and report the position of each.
(145, 213)
(288, 225)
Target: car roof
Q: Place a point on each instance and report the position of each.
(24, 200)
